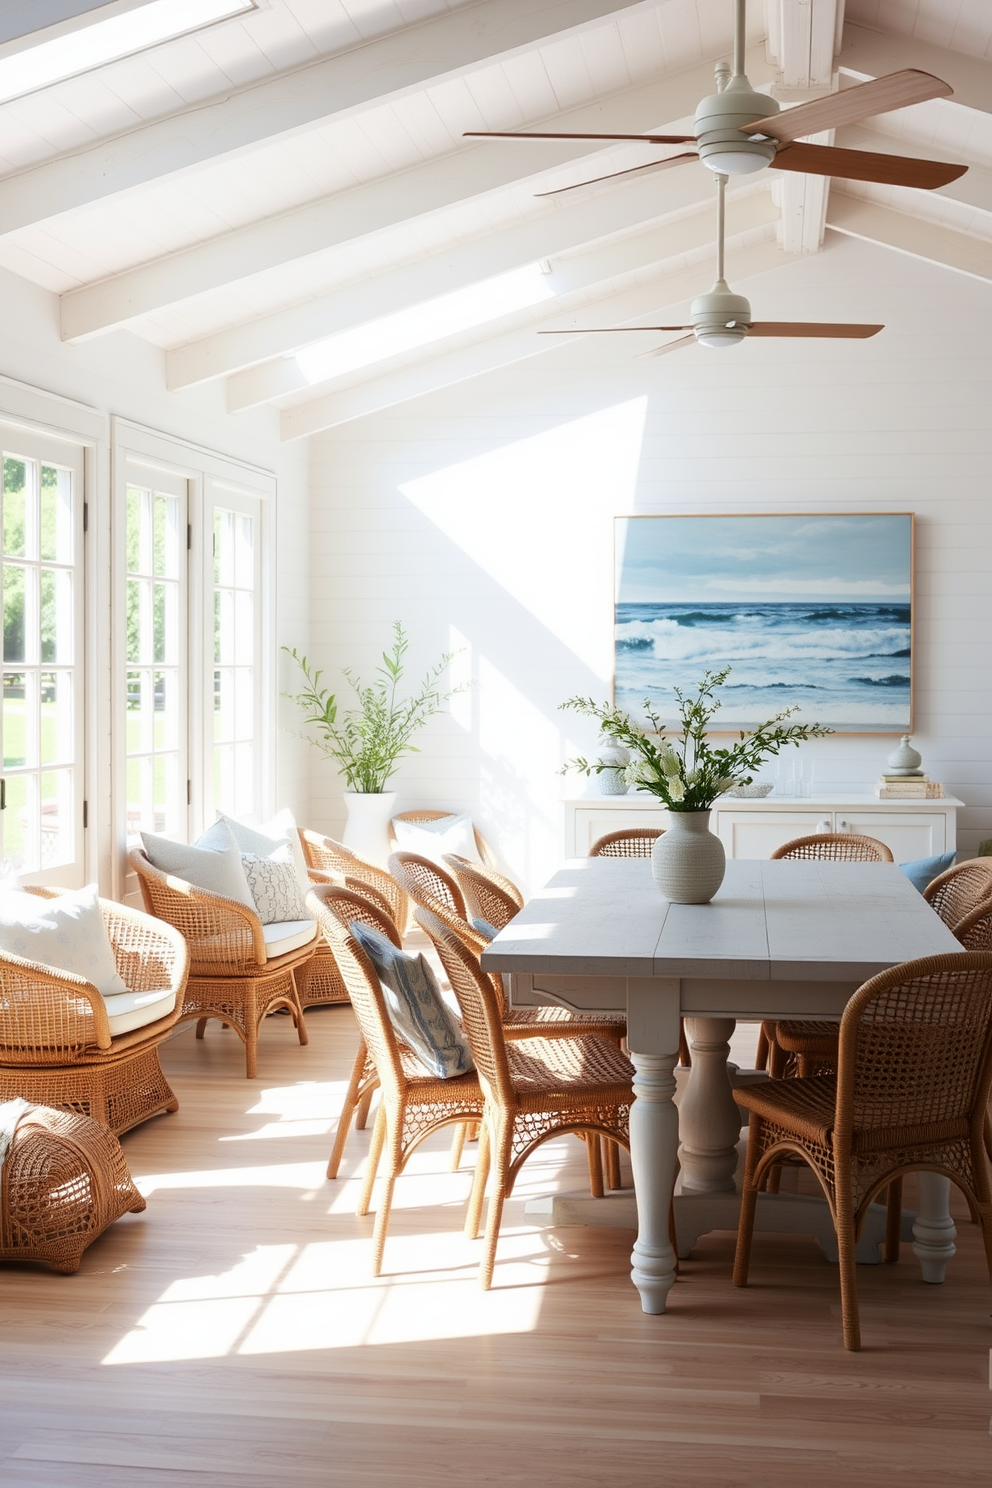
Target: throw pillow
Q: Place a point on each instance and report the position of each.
(274, 887)
(263, 842)
(924, 870)
(483, 927)
(415, 1006)
(67, 933)
(213, 862)
(432, 839)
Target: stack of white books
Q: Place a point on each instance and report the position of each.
(915, 787)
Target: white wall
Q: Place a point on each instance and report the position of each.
(484, 515)
(123, 375)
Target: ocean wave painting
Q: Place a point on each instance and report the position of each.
(808, 612)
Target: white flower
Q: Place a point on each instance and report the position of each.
(676, 790)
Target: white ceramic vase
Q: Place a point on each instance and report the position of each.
(613, 782)
(688, 861)
(366, 831)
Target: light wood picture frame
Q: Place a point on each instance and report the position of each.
(813, 612)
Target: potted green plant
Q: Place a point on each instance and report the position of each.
(689, 773)
(368, 740)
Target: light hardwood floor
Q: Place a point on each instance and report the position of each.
(232, 1333)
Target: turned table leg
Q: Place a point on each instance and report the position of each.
(654, 1136)
(710, 1118)
(933, 1229)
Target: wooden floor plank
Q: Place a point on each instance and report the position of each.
(232, 1333)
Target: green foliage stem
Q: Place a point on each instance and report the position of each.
(679, 765)
(368, 741)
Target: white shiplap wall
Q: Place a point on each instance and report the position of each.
(482, 516)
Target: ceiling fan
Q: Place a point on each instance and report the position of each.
(722, 318)
(739, 131)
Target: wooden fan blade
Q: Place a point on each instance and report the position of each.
(654, 165)
(671, 346)
(866, 165)
(828, 329)
(611, 330)
(644, 139)
(879, 96)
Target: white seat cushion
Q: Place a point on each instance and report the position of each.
(127, 1010)
(287, 935)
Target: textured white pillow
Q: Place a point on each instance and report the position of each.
(263, 842)
(432, 839)
(67, 933)
(212, 863)
(274, 887)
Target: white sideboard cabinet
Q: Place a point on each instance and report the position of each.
(755, 828)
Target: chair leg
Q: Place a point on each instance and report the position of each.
(347, 1111)
(298, 1018)
(394, 1142)
(375, 1152)
(893, 1221)
(457, 1144)
(501, 1180)
(595, 1156)
(685, 1055)
(761, 1053)
(473, 1215)
(749, 1202)
(611, 1154)
(845, 1255)
(201, 1027)
(364, 1106)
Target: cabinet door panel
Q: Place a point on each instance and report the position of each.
(748, 834)
(908, 834)
(594, 822)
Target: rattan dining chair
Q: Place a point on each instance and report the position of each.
(56, 1048)
(231, 975)
(910, 1094)
(810, 1047)
(534, 1090)
(629, 842)
(487, 894)
(329, 861)
(414, 1102)
(959, 891)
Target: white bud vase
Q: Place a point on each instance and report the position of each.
(613, 782)
(688, 861)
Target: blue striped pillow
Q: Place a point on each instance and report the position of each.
(416, 1008)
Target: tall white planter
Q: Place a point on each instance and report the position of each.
(366, 831)
(688, 861)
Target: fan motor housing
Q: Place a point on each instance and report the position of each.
(719, 119)
(711, 312)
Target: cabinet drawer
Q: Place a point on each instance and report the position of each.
(907, 834)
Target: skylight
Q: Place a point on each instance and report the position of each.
(108, 40)
(422, 324)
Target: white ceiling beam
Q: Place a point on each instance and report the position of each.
(374, 206)
(577, 272)
(803, 39)
(929, 241)
(665, 293)
(575, 221)
(392, 66)
(868, 54)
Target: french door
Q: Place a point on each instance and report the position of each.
(42, 787)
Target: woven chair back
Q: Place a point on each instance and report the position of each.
(334, 908)
(960, 891)
(837, 847)
(630, 842)
(426, 883)
(915, 1052)
(423, 814)
(481, 1009)
(326, 856)
(975, 930)
(487, 894)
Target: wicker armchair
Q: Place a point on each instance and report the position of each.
(534, 1090)
(811, 1048)
(329, 861)
(56, 1048)
(959, 891)
(488, 895)
(432, 889)
(415, 1103)
(230, 976)
(836, 847)
(910, 1093)
(629, 842)
(65, 1181)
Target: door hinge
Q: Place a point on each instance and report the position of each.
(3, 794)
(86, 516)
(189, 792)
(86, 815)
(189, 537)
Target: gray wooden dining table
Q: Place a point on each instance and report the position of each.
(781, 938)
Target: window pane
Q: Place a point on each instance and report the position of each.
(14, 494)
(56, 818)
(14, 636)
(56, 717)
(56, 514)
(19, 823)
(56, 615)
(14, 721)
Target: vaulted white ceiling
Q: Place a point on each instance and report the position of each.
(240, 193)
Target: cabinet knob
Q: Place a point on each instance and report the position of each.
(824, 826)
